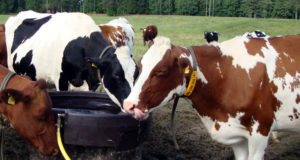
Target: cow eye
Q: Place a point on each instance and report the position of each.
(117, 76)
(26, 99)
(161, 73)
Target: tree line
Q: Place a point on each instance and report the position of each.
(230, 8)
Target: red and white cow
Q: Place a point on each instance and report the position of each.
(245, 88)
(27, 106)
(118, 32)
(149, 33)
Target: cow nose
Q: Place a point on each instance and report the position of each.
(128, 107)
(77, 82)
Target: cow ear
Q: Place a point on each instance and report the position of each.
(41, 83)
(184, 65)
(11, 96)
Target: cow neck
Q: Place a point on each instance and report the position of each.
(104, 51)
(188, 92)
(101, 56)
(193, 79)
(6, 79)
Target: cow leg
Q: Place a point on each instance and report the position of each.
(257, 144)
(240, 150)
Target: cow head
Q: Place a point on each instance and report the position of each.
(162, 77)
(29, 113)
(149, 33)
(84, 57)
(118, 72)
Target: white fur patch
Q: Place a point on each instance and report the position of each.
(236, 49)
(154, 55)
(127, 63)
(82, 26)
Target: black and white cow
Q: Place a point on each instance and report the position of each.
(211, 36)
(68, 50)
(256, 34)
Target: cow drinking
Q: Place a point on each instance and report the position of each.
(69, 51)
(245, 87)
(27, 106)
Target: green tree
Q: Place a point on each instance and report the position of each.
(282, 9)
(112, 7)
(142, 7)
(36, 5)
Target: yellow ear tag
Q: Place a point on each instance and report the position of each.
(93, 65)
(187, 70)
(192, 84)
(11, 100)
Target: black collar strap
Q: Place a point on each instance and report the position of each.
(195, 64)
(104, 50)
(100, 56)
(193, 78)
(188, 92)
(6, 79)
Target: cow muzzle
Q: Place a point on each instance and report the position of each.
(77, 82)
(48, 152)
(137, 113)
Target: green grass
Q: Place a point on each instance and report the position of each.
(188, 30)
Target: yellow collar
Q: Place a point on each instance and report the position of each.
(192, 84)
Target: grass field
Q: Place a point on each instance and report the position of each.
(188, 30)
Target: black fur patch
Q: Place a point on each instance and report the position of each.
(75, 68)
(77, 61)
(25, 67)
(211, 36)
(26, 30)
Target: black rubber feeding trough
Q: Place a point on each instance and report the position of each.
(92, 119)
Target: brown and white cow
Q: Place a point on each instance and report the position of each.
(27, 105)
(118, 32)
(149, 33)
(246, 88)
(3, 52)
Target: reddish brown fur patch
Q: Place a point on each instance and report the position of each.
(217, 126)
(255, 45)
(287, 64)
(113, 35)
(296, 113)
(3, 52)
(234, 92)
(298, 99)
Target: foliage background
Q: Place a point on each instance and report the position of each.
(228, 8)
